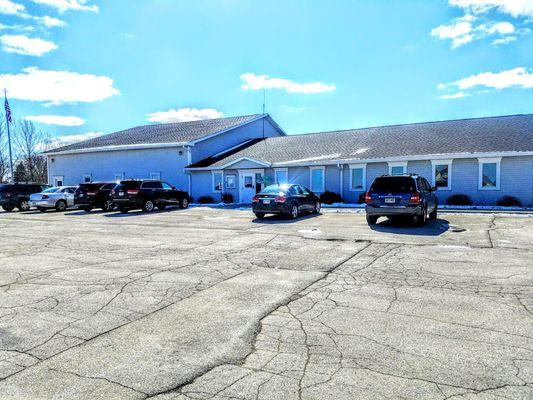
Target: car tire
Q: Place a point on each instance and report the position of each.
(24, 205)
(371, 219)
(108, 206)
(421, 219)
(259, 215)
(184, 203)
(41, 209)
(318, 207)
(433, 214)
(295, 211)
(148, 206)
(161, 206)
(8, 208)
(61, 205)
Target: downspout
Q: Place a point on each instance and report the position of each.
(341, 179)
(189, 161)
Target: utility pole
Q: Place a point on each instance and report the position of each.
(8, 122)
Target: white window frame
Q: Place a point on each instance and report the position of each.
(56, 178)
(119, 176)
(234, 186)
(85, 176)
(213, 173)
(398, 164)
(434, 164)
(311, 169)
(276, 170)
(493, 160)
(357, 166)
(155, 176)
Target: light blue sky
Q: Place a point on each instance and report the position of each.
(373, 62)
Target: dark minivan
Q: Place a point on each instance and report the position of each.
(401, 195)
(94, 195)
(147, 195)
(18, 195)
(290, 200)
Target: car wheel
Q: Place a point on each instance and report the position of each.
(41, 209)
(318, 206)
(371, 219)
(260, 215)
(8, 208)
(61, 205)
(433, 214)
(294, 212)
(24, 205)
(420, 220)
(161, 206)
(148, 206)
(184, 203)
(108, 206)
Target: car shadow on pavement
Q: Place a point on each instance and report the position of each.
(404, 226)
(136, 213)
(281, 219)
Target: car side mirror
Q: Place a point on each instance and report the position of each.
(173, 187)
(433, 188)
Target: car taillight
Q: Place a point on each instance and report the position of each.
(368, 198)
(133, 191)
(45, 196)
(280, 199)
(91, 193)
(255, 199)
(415, 198)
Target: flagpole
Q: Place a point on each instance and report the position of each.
(9, 140)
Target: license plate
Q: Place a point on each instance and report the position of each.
(390, 200)
(121, 193)
(266, 201)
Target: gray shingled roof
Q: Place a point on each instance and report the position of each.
(161, 133)
(479, 135)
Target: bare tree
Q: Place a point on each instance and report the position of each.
(30, 143)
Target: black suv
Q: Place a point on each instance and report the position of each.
(289, 200)
(396, 195)
(147, 194)
(94, 195)
(18, 195)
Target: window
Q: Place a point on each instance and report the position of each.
(317, 179)
(217, 181)
(248, 182)
(58, 180)
(119, 176)
(281, 175)
(230, 182)
(155, 176)
(489, 173)
(397, 168)
(442, 174)
(86, 178)
(166, 186)
(357, 177)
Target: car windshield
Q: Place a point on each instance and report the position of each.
(274, 189)
(398, 184)
(51, 190)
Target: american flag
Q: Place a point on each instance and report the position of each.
(8, 111)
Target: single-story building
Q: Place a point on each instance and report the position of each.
(484, 158)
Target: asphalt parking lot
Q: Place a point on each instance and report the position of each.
(210, 304)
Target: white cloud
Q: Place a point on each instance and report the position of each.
(57, 87)
(462, 31)
(22, 44)
(50, 22)
(515, 8)
(56, 120)
(65, 140)
(9, 7)
(505, 40)
(519, 77)
(184, 115)
(458, 95)
(66, 5)
(252, 81)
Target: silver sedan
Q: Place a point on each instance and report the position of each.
(60, 198)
